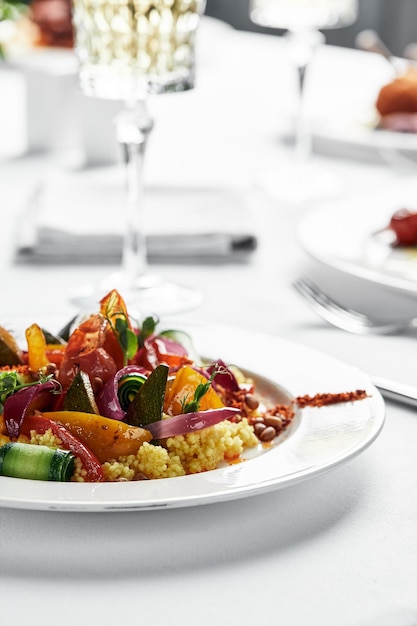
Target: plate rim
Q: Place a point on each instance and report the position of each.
(361, 136)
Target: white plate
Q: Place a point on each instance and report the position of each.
(319, 440)
(342, 235)
(344, 90)
(360, 132)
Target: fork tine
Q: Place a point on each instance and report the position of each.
(316, 296)
(346, 319)
(333, 313)
(316, 305)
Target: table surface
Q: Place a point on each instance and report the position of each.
(340, 548)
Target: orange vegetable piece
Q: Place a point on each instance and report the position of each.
(3, 427)
(55, 353)
(113, 307)
(37, 357)
(182, 390)
(105, 437)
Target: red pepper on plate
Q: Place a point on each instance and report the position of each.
(89, 461)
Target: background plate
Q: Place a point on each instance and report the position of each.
(342, 235)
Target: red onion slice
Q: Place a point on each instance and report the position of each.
(17, 406)
(224, 377)
(190, 422)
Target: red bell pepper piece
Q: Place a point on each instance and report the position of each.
(90, 462)
(157, 350)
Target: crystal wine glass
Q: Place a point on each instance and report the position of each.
(128, 49)
(302, 19)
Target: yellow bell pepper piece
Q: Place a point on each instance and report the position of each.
(107, 438)
(37, 357)
(182, 390)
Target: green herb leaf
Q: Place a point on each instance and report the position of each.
(8, 384)
(149, 325)
(147, 329)
(125, 336)
(131, 342)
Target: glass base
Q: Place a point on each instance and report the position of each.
(149, 296)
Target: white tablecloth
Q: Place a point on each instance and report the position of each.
(339, 549)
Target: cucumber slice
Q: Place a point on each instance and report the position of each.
(36, 462)
(128, 387)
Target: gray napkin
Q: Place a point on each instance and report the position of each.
(77, 218)
(54, 246)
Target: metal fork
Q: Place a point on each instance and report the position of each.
(345, 318)
(356, 322)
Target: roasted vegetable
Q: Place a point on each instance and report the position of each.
(37, 357)
(182, 391)
(148, 404)
(85, 351)
(41, 424)
(190, 422)
(105, 437)
(23, 460)
(25, 401)
(122, 342)
(80, 395)
(10, 353)
(112, 396)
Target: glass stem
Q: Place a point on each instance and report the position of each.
(302, 46)
(133, 127)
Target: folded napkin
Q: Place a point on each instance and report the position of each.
(79, 218)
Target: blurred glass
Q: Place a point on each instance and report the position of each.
(141, 45)
(303, 20)
(303, 14)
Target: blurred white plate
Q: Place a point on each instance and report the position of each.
(319, 439)
(343, 91)
(342, 235)
(361, 132)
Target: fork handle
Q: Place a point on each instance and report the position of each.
(398, 392)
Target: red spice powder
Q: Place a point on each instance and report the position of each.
(323, 399)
